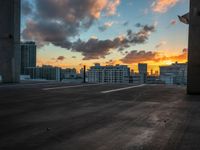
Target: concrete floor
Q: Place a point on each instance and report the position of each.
(152, 117)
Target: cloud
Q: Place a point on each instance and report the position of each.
(162, 43)
(111, 62)
(26, 7)
(96, 49)
(105, 26)
(173, 22)
(143, 56)
(111, 7)
(46, 32)
(125, 23)
(142, 35)
(60, 58)
(93, 48)
(138, 56)
(162, 6)
(181, 57)
(57, 21)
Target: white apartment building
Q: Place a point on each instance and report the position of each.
(108, 74)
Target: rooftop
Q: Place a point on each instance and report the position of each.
(58, 116)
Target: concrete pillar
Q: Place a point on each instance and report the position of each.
(194, 49)
(10, 40)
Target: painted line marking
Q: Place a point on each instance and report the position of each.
(121, 89)
(67, 87)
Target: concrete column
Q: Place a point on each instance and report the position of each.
(194, 49)
(10, 40)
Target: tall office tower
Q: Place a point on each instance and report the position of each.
(28, 55)
(10, 40)
(194, 49)
(142, 72)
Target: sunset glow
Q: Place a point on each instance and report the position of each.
(106, 31)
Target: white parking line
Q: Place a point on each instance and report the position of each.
(121, 89)
(67, 87)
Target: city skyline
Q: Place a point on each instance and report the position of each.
(154, 34)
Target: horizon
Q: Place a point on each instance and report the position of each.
(134, 68)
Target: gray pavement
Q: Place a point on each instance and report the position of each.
(86, 117)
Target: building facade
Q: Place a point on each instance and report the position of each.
(45, 72)
(142, 72)
(28, 55)
(108, 74)
(68, 73)
(174, 74)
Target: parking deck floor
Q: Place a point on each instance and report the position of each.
(58, 116)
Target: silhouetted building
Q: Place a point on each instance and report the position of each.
(109, 74)
(142, 72)
(28, 55)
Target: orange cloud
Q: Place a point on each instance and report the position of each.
(60, 58)
(156, 57)
(99, 5)
(180, 57)
(109, 6)
(153, 59)
(161, 6)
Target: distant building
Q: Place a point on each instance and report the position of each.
(142, 68)
(108, 74)
(142, 72)
(68, 73)
(152, 79)
(174, 74)
(168, 78)
(28, 55)
(135, 79)
(45, 72)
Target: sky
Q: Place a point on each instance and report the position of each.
(73, 33)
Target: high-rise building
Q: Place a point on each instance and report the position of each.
(142, 72)
(108, 74)
(28, 55)
(142, 68)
